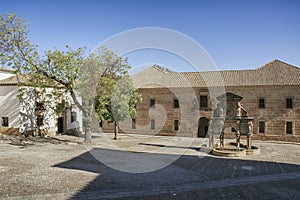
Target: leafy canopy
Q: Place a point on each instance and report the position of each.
(116, 96)
(102, 74)
(55, 68)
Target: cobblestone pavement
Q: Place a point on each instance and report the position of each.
(63, 168)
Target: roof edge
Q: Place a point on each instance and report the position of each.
(4, 69)
(277, 60)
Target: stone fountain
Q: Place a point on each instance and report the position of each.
(235, 116)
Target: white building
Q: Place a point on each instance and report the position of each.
(29, 114)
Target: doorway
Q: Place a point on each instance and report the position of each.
(60, 125)
(202, 126)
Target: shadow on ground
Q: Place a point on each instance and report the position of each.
(170, 146)
(189, 177)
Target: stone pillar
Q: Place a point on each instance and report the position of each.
(211, 133)
(249, 134)
(222, 139)
(249, 142)
(211, 139)
(238, 136)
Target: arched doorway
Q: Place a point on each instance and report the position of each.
(202, 126)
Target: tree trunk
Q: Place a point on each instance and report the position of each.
(75, 100)
(87, 125)
(116, 130)
(88, 134)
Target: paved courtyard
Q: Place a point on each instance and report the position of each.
(143, 167)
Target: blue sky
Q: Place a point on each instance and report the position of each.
(236, 34)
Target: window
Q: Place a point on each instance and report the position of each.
(152, 103)
(5, 121)
(261, 103)
(289, 128)
(261, 127)
(203, 101)
(176, 103)
(39, 106)
(176, 125)
(73, 116)
(133, 123)
(233, 130)
(152, 124)
(289, 103)
(40, 120)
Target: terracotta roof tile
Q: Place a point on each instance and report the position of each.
(13, 80)
(273, 73)
(3, 69)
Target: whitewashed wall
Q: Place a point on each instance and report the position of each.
(9, 105)
(21, 112)
(4, 75)
(28, 116)
(76, 124)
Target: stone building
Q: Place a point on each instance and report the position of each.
(181, 103)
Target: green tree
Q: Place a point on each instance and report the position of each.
(66, 71)
(117, 97)
(57, 69)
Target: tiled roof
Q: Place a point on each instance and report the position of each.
(273, 73)
(3, 69)
(156, 78)
(13, 80)
(18, 79)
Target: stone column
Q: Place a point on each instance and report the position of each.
(248, 142)
(249, 134)
(238, 136)
(222, 139)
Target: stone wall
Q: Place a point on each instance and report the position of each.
(163, 113)
(275, 114)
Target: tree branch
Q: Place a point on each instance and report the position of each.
(75, 100)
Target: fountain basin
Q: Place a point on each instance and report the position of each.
(230, 150)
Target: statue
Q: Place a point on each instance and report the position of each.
(218, 112)
(241, 112)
